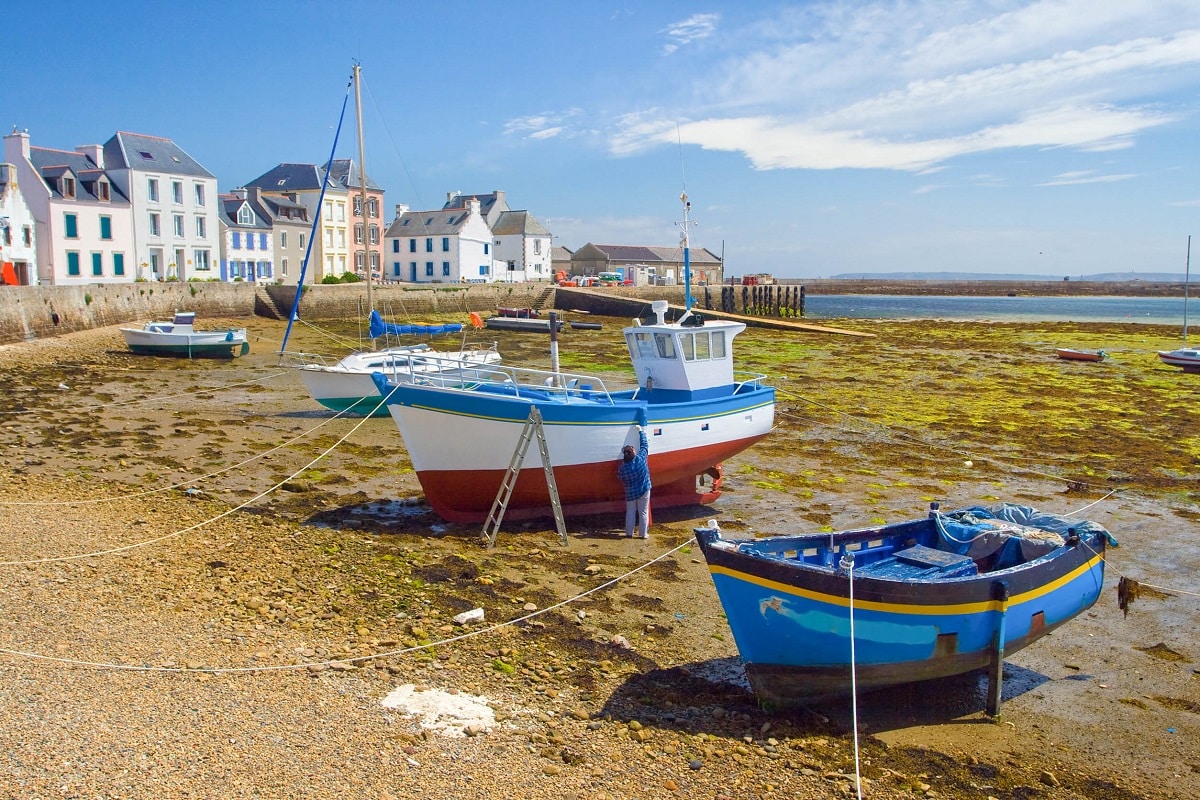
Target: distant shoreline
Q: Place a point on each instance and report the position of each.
(991, 288)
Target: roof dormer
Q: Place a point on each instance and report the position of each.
(244, 215)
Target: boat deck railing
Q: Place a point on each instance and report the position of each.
(522, 382)
(747, 381)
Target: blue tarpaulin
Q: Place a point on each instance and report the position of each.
(379, 328)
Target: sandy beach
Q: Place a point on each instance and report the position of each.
(212, 587)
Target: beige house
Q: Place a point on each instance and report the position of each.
(647, 265)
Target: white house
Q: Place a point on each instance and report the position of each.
(174, 203)
(446, 246)
(519, 241)
(247, 242)
(83, 221)
(18, 244)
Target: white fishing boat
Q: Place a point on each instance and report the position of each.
(462, 433)
(179, 337)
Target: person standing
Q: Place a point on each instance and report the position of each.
(635, 476)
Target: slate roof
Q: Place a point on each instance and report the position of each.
(428, 223)
(346, 172)
(513, 222)
(137, 151)
(284, 210)
(648, 254)
(53, 164)
(292, 178)
(231, 204)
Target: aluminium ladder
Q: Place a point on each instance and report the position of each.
(533, 426)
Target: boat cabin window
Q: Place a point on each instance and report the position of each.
(666, 345)
(703, 345)
(641, 345)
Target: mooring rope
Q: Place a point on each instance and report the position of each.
(101, 665)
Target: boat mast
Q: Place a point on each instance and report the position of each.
(1186, 275)
(362, 193)
(687, 266)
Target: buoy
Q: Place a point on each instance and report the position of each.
(476, 320)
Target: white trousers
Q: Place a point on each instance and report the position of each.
(638, 510)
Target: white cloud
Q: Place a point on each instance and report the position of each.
(684, 32)
(1079, 178)
(908, 86)
(546, 125)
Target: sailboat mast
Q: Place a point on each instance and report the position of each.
(687, 265)
(1186, 277)
(362, 189)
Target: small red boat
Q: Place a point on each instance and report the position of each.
(1081, 355)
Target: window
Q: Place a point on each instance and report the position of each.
(358, 206)
(537, 247)
(118, 264)
(283, 240)
(249, 240)
(374, 234)
(359, 263)
(68, 187)
(102, 190)
(429, 245)
(429, 268)
(302, 241)
(328, 209)
(395, 245)
(341, 237)
(71, 226)
(199, 194)
(146, 155)
(445, 267)
(155, 227)
(97, 264)
(177, 191)
(152, 189)
(237, 240)
(445, 244)
(262, 241)
(341, 212)
(177, 219)
(718, 344)
(412, 245)
(73, 263)
(358, 234)
(396, 270)
(245, 215)
(666, 345)
(200, 229)
(105, 227)
(329, 238)
(483, 270)
(373, 206)
(283, 266)
(28, 236)
(485, 248)
(200, 258)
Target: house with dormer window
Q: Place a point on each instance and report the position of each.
(18, 245)
(332, 250)
(247, 251)
(174, 200)
(519, 241)
(445, 246)
(83, 220)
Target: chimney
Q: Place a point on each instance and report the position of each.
(93, 151)
(401, 210)
(240, 192)
(473, 206)
(16, 146)
(452, 196)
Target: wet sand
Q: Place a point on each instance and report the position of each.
(297, 548)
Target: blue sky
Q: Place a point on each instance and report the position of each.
(813, 138)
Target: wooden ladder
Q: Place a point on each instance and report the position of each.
(533, 427)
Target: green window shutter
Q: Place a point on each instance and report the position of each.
(72, 226)
(118, 263)
(73, 263)
(97, 264)
(106, 227)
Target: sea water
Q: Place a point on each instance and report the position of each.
(1149, 310)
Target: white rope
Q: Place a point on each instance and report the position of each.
(390, 653)
(198, 525)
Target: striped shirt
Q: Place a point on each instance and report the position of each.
(635, 474)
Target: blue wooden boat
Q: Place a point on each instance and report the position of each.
(927, 598)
